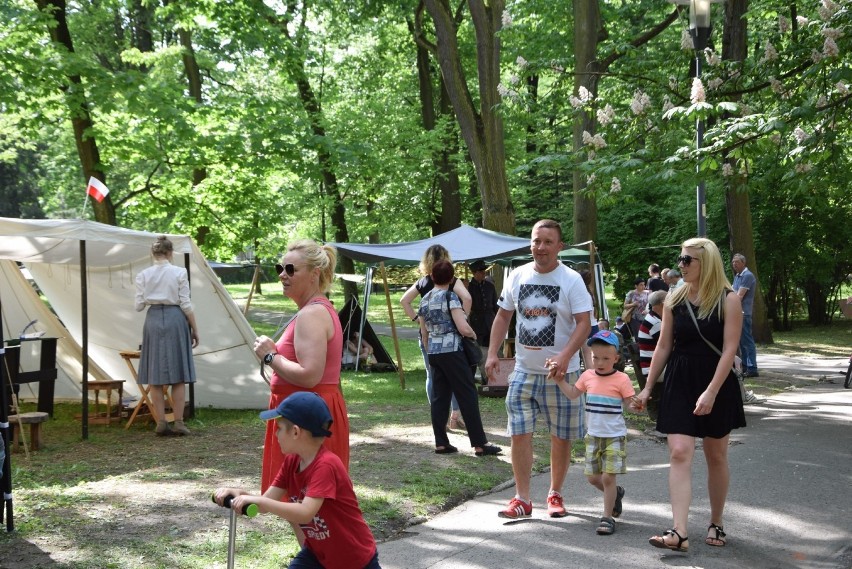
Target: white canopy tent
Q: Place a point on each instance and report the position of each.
(95, 317)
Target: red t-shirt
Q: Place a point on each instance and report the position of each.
(338, 534)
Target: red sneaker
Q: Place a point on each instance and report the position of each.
(516, 509)
(555, 508)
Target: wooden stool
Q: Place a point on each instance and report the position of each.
(34, 419)
(106, 417)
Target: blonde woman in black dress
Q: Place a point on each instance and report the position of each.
(701, 396)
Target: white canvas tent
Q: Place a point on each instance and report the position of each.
(54, 251)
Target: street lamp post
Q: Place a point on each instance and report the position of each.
(699, 30)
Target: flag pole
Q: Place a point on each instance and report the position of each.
(85, 203)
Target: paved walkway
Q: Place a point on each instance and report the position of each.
(790, 502)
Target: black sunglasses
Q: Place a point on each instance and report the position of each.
(289, 268)
(686, 260)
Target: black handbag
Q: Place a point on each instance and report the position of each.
(471, 349)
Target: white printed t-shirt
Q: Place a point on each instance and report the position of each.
(545, 305)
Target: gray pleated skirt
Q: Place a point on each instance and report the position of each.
(166, 356)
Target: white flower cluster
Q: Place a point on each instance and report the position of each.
(521, 62)
(827, 10)
(783, 24)
(596, 141)
(605, 115)
(615, 187)
(829, 48)
(505, 92)
(816, 56)
(776, 86)
(821, 102)
(715, 83)
(590, 180)
(584, 98)
(686, 40)
(803, 167)
(769, 52)
(802, 21)
(697, 94)
(672, 82)
(842, 88)
(800, 135)
(667, 104)
(712, 57)
(507, 18)
(641, 102)
(514, 79)
(833, 33)
(727, 169)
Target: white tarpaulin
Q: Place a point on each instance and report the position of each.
(226, 366)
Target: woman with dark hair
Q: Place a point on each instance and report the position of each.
(169, 334)
(442, 324)
(432, 255)
(637, 299)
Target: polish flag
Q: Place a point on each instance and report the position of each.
(97, 189)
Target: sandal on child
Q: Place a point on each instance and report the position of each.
(719, 539)
(660, 541)
(606, 526)
(488, 450)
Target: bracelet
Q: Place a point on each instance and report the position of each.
(415, 318)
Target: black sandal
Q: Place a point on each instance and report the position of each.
(719, 540)
(606, 526)
(660, 541)
(488, 450)
(449, 449)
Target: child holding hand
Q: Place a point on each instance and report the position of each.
(607, 391)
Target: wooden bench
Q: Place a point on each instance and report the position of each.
(34, 419)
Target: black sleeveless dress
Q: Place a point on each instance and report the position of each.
(689, 371)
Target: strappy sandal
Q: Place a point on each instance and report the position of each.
(660, 541)
(488, 450)
(606, 526)
(717, 541)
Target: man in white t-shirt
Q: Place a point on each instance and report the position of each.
(553, 308)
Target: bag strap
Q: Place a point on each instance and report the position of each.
(450, 311)
(713, 346)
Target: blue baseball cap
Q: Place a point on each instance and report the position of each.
(305, 409)
(606, 337)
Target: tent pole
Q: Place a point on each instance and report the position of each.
(188, 265)
(6, 483)
(254, 280)
(393, 326)
(84, 320)
(593, 284)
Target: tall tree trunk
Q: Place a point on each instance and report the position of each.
(81, 120)
(481, 129)
(587, 25)
(738, 210)
(447, 178)
(193, 77)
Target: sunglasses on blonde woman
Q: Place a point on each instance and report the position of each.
(686, 260)
(289, 268)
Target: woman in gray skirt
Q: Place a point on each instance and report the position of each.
(169, 335)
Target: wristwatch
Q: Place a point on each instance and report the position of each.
(267, 359)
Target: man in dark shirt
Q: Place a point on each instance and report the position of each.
(483, 308)
(655, 281)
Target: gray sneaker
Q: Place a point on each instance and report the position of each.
(751, 398)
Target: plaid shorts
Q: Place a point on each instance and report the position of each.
(532, 394)
(605, 455)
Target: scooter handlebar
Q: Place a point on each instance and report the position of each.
(249, 510)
